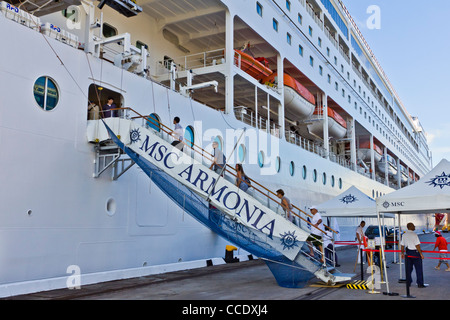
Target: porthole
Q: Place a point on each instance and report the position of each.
(111, 207)
(154, 122)
(189, 136)
(304, 172)
(315, 175)
(46, 93)
(340, 183)
(324, 178)
(278, 164)
(332, 181)
(241, 153)
(292, 168)
(261, 159)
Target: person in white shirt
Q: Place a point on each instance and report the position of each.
(328, 245)
(360, 238)
(410, 245)
(177, 134)
(315, 238)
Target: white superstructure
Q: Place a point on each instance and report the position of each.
(60, 212)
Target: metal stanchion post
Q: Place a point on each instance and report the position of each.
(407, 285)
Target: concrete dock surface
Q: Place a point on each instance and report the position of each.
(253, 281)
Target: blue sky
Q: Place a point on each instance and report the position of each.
(412, 46)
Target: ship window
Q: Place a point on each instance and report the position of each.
(72, 13)
(311, 61)
(275, 25)
(319, 42)
(288, 38)
(315, 175)
(300, 19)
(278, 164)
(189, 136)
(288, 5)
(292, 168)
(320, 70)
(46, 93)
(324, 178)
(154, 122)
(340, 183)
(140, 45)
(259, 9)
(304, 172)
(109, 30)
(241, 153)
(300, 50)
(261, 159)
(332, 181)
(310, 30)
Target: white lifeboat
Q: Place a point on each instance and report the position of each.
(299, 103)
(337, 127)
(364, 151)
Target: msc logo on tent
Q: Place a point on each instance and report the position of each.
(440, 181)
(348, 199)
(387, 204)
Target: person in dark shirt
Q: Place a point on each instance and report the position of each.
(107, 109)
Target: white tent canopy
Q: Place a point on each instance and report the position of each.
(431, 194)
(351, 203)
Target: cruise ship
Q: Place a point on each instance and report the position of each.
(297, 76)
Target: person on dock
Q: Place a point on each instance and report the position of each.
(330, 250)
(317, 228)
(441, 245)
(410, 245)
(360, 237)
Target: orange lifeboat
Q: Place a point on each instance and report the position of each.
(299, 103)
(337, 127)
(258, 68)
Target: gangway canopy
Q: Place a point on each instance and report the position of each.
(431, 194)
(351, 203)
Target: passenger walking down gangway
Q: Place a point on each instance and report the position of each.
(217, 203)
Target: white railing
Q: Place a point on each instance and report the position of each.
(192, 61)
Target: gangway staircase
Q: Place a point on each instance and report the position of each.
(237, 216)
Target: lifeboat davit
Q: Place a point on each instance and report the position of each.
(258, 68)
(299, 103)
(337, 127)
(364, 151)
(392, 166)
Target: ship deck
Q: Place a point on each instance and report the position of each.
(252, 281)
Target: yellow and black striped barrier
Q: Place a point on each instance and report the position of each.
(358, 285)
